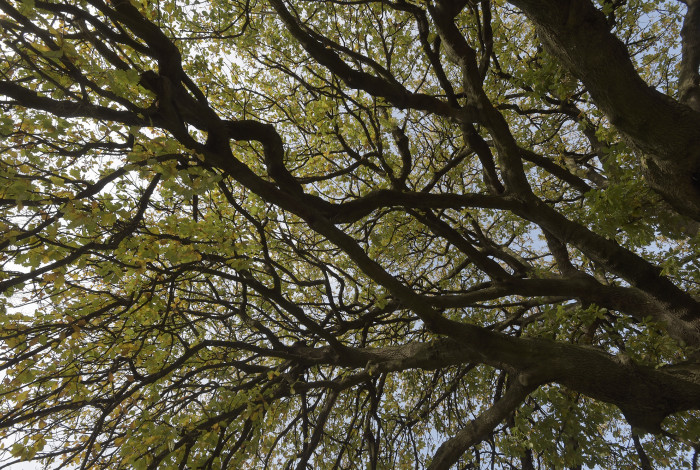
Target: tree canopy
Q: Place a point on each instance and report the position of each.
(350, 233)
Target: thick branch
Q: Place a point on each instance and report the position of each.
(689, 79)
(679, 311)
(30, 99)
(666, 131)
(478, 429)
(644, 394)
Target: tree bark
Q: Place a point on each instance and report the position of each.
(666, 132)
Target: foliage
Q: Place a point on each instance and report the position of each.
(349, 234)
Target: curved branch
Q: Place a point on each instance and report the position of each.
(392, 91)
(478, 429)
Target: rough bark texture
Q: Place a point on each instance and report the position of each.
(664, 131)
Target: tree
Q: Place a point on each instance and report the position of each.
(350, 233)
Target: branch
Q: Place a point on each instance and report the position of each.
(478, 429)
(676, 308)
(645, 395)
(689, 79)
(30, 99)
(665, 130)
(392, 91)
